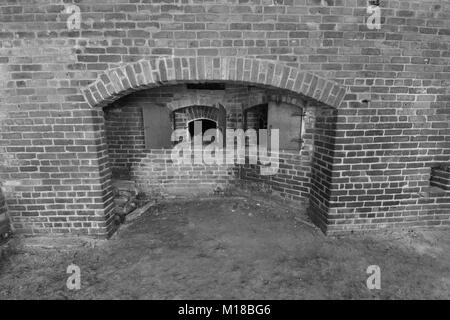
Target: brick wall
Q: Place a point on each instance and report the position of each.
(124, 125)
(124, 122)
(185, 115)
(293, 179)
(156, 173)
(153, 169)
(372, 164)
(291, 182)
(440, 177)
(4, 223)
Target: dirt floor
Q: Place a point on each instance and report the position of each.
(228, 249)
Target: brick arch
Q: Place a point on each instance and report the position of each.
(194, 99)
(187, 114)
(201, 112)
(154, 72)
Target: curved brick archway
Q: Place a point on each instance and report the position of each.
(194, 100)
(118, 82)
(183, 116)
(201, 112)
(293, 83)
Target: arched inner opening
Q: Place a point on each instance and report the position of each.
(143, 128)
(200, 126)
(256, 117)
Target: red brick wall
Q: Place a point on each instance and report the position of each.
(125, 134)
(156, 173)
(124, 122)
(440, 177)
(4, 223)
(153, 169)
(373, 161)
(293, 179)
(188, 114)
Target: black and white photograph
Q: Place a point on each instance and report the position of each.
(225, 157)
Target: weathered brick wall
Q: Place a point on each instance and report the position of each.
(157, 173)
(153, 169)
(4, 223)
(322, 174)
(390, 130)
(188, 114)
(293, 179)
(440, 177)
(124, 119)
(124, 125)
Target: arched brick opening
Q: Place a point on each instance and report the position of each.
(183, 116)
(4, 223)
(295, 84)
(206, 124)
(256, 116)
(118, 82)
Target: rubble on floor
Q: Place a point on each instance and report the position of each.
(127, 198)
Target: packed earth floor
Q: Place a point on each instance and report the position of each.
(230, 248)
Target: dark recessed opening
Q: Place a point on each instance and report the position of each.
(256, 117)
(206, 125)
(206, 86)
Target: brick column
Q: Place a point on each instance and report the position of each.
(4, 222)
(57, 178)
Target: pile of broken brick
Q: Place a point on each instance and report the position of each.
(126, 199)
